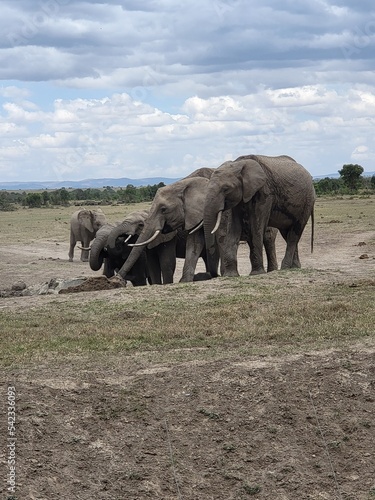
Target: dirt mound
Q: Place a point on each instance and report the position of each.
(94, 284)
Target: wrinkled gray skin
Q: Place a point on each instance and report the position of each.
(273, 191)
(177, 207)
(113, 260)
(233, 229)
(84, 225)
(160, 254)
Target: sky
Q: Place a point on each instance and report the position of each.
(148, 88)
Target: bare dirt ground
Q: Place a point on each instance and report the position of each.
(233, 427)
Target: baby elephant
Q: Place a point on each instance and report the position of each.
(84, 225)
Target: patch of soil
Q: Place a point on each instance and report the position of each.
(297, 427)
(94, 284)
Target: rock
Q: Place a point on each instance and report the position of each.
(19, 286)
(364, 256)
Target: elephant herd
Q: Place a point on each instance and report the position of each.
(206, 215)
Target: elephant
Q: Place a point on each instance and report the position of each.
(263, 191)
(113, 260)
(83, 227)
(160, 254)
(175, 210)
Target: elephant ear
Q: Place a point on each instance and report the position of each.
(253, 178)
(85, 218)
(193, 199)
(162, 238)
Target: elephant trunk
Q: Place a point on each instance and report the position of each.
(137, 251)
(97, 252)
(214, 207)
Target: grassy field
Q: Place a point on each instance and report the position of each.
(287, 311)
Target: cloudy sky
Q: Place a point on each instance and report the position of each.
(145, 88)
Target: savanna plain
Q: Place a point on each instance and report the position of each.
(234, 388)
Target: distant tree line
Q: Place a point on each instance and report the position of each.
(9, 200)
(350, 181)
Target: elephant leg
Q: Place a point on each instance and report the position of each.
(71, 250)
(291, 258)
(85, 242)
(269, 245)
(296, 262)
(139, 272)
(228, 239)
(108, 269)
(258, 214)
(85, 253)
(256, 251)
(153, 267)
(167, 258)
(194, 247)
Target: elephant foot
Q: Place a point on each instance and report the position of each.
(186, 279)
(254, 272)
(70, 259)
(202, 277)
(231, 274)
(291, 266)
(271, 269)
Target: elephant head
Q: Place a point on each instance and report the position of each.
(92, 220)
(231, 184)
(131, 226)
(179, 205)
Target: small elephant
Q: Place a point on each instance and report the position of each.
(113, 259)
(84, 225)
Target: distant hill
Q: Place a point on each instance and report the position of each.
(84, 184)
(99, 183)
(337, 175)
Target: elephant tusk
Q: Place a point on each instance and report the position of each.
(128, 238)
(196, 228)
(144, 243)
(84, 248)
(218, 220)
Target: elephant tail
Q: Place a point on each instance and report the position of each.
(312, 231)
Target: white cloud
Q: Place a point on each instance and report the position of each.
(156, 88)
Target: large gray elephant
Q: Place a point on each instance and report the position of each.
(84, 225)
(267, 191)
(114, 259)
(175, 210)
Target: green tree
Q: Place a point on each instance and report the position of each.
(373, 182)
(45, 197)
(34, 200)
(328, 185)
(351, 176)
(64, 196)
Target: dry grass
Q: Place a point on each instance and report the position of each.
(256, 316)
(288, 311)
